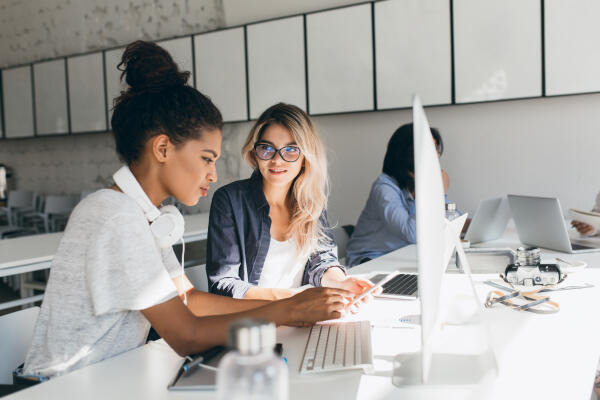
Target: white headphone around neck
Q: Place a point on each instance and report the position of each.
(166, 224)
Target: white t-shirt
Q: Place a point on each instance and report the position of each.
(107, 268)
(282, 267)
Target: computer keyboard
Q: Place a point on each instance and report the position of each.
(338, 346)
(401, 285)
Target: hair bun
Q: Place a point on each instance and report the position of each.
(147, 67)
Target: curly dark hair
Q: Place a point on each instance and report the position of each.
(157, 101)
(399, 159)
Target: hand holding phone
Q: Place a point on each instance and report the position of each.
(379, 284)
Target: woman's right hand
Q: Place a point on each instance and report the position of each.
(314, 305)
(583, 228)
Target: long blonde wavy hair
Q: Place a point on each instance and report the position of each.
(307, 198)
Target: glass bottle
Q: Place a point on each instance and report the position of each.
(252, 370)
(451, 212)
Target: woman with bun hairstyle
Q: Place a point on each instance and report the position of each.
(269, 235)
(110, 278)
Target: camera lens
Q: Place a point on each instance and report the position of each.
(528, 256)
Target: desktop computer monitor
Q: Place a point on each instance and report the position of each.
(437, 238)
(431, 225)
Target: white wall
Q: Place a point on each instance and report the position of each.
(547, 147)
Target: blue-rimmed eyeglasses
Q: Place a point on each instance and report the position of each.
(266, 152)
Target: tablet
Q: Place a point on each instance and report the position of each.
(200, 378)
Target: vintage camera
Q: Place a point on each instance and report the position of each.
(528, 271)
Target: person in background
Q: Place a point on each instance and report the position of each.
(388, 221)
(110, 279)
(269, 235)
(586, 229)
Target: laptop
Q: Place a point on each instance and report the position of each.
(405, 286)
(402, 286)
(540, 222)
(489, 221)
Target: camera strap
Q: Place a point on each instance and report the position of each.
(523, 301)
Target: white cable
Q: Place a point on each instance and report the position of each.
(182, 271)
(208, 367)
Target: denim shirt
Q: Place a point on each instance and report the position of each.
(388, 222)
(239, 234)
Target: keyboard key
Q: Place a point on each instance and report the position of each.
(357, 345)
(321, 346)
(311, 346)
(340, 347)
(330, 352)
(349, 354)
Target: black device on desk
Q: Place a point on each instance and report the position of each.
(193, 373)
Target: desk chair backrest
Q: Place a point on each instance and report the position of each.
(16, 331)
(20, 199)
(59, 204)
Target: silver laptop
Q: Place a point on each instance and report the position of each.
(540, 222)
(402, 286)
(489, 221)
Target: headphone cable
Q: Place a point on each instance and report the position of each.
(182, 271)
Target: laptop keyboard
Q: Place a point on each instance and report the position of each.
(402, 285)
(580, 247)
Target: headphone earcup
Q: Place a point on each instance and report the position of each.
(169, 227)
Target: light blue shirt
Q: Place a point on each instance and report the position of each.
(388, 222)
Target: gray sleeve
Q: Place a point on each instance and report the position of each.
(124, 269)
(395, 215)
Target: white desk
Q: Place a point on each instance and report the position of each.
(33, 253)
(539, 356)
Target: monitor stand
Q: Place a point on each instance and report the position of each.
(453, 369)
(446, 370)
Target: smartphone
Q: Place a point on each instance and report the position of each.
(382, 282)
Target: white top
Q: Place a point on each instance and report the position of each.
(282, 268)
(107, 268)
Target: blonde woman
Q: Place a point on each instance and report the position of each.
(268, 235)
